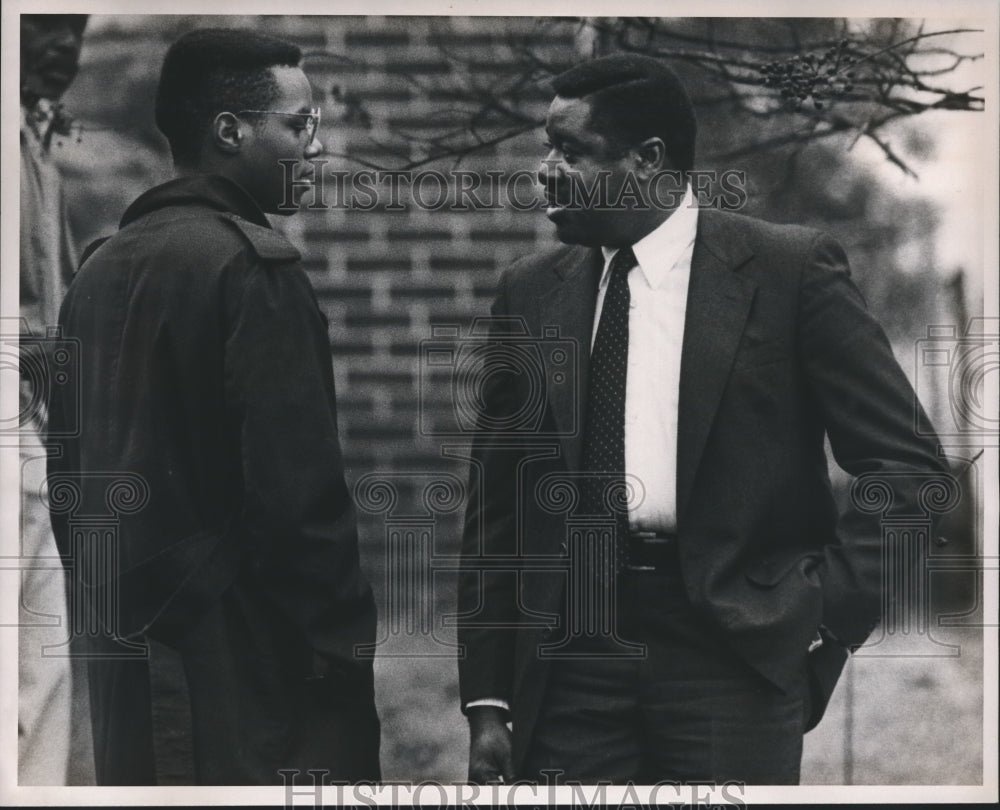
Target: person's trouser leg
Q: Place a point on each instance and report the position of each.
(587, 730)
(690, 710)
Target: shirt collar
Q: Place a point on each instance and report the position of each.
(658, 252)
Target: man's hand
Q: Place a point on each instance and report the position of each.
(489, 747)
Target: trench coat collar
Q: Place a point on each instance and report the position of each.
(211, 190)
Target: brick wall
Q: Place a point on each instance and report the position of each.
(386, 278)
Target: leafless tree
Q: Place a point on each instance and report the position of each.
(791, 82)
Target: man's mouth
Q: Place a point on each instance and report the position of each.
(554, 203)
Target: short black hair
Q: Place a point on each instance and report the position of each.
(634, 97)
(213, 70)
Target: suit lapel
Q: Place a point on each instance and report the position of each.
(569, 307)
(717, 308)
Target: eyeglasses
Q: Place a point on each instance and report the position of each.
(312, 119)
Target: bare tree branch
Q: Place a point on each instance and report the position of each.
(857, 82)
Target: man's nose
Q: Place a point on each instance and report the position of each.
(549, 167)
(315, 148)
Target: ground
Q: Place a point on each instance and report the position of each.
(891, 721)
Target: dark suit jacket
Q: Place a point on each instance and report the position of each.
(778, 352)
(205, 375)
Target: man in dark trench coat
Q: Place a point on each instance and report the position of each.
(207, 426)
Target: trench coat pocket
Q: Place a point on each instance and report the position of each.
(167, 594)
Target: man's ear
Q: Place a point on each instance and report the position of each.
(651, 157)
(226, 134)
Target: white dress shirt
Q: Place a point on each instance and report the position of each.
(658, 292)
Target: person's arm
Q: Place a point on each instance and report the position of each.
(868, 408)
(298, 514)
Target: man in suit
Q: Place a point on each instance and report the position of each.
(712, 594)
(208, 426)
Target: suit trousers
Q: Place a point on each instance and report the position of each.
(231, 703)
(688, 710)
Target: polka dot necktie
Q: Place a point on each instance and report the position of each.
(604, 428)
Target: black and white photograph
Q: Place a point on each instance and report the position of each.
(490, 404)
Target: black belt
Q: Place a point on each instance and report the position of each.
(652, 551)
